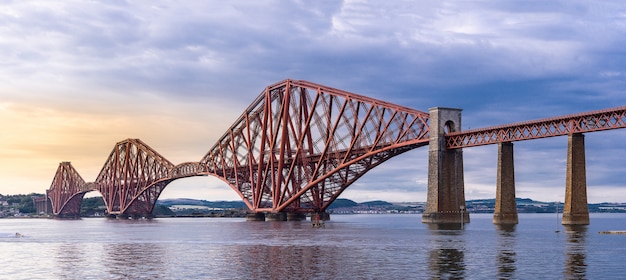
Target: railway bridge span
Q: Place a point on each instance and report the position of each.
(299, 145)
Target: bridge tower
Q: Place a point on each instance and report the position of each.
(445, 203)
(66, 191)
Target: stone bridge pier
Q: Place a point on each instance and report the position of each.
(446, 191)
(505, 211)
(445, 203)
(576, 210)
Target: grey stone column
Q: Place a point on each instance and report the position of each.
(506, 207)
(575, 210)
(445, 203)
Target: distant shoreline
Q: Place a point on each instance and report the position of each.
(243, 216)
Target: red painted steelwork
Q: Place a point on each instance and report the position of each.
(557, 126)
(130, 182)
(299, 145)
(296, 148)
(66, 191)
(132, 178)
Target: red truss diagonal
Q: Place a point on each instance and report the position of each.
(66, 191)
(300, 144)
(133, 177)
(188, 169)
(557, 126)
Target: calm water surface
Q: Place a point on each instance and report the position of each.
(348, 247)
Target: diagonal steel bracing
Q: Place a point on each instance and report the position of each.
(296, 148)
(300, 144)
(132, 178)
(606, 119)
(130, 181)
(66, 191)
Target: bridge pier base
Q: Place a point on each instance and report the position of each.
(445, 203)
(446, 217)
(68, 217)
(276, 217)
(506, 208)
(320, 216)
(255, 217)
(575, 210)
(296, 216)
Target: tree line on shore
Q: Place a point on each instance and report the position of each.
(22, 204)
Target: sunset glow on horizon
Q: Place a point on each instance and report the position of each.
(77, 77)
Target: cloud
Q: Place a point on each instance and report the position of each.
(78, 76)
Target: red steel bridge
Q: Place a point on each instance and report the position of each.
(295, 149)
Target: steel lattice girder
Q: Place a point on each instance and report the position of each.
(130, 181)
(66, 191)
(133, 177)
(299, 145)
(557, 126)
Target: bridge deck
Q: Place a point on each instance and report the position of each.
(606, 119)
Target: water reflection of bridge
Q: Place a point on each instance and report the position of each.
(299, 145)
(450, 258)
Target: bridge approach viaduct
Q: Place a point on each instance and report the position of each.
(446, 201)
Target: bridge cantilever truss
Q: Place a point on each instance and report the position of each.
(300, 144)
(606, 119)
(66, 191)
(296, 148)
(130, 181)
(133, 177)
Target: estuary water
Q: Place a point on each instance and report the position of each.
(348, 247)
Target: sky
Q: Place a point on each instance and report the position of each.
(76, 77)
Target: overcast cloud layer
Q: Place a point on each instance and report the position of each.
(78, 76)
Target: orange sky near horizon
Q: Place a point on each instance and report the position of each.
(37, 137)
(76, 77)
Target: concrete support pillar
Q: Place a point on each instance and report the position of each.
(506, 208)
(575, 210)
(446, 192)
